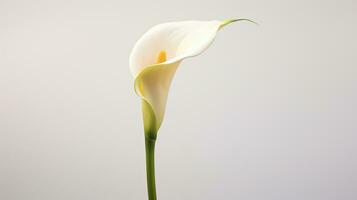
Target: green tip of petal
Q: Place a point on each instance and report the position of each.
(149, 117)
(228, 21)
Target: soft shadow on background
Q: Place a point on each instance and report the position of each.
(268, 112)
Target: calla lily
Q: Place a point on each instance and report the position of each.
(153, 63)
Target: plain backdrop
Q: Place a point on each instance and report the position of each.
(268, 112)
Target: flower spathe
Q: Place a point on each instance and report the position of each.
(156, 56)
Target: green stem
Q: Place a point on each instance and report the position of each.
(150, 167)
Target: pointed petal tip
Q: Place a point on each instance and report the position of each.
(228, 21)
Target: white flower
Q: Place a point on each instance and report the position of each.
(156, 56)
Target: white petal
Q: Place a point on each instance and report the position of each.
(178, 39)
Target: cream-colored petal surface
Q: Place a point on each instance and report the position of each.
(177, 39)
(153, 85)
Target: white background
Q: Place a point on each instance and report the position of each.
(266, 113)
